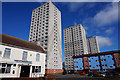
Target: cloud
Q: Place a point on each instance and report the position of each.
(75, 23)
(104, 17)
(104, 41)
(107, 15)
(74, 6)
(86, 28)
(110, 30)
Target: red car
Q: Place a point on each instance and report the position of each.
(82, 73)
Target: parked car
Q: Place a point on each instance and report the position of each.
(107, 73)
(91, 74)
(82, 73)
(102, 74)
(115, 73)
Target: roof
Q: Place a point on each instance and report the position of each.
(92, 37)
(9, 40)
(96, 54)
(72, 26)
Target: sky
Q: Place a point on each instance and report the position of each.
(98, 18)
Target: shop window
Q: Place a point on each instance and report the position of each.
(36, 69)
(5, 68)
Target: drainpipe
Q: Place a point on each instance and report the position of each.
(100, 62)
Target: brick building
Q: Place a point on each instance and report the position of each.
(96, 62)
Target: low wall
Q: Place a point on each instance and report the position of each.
(52, 71)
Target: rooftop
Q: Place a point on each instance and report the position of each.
(73, 26)
(96, 54)
(9, 40)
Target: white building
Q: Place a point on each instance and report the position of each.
(45, 30)
(74, 44)
(20, 58)
(92, 44)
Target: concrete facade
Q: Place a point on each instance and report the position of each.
(92, 44)
(45, 30)
(74, 44)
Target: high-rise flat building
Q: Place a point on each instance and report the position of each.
(74, 44)
(93, 46)
(45, 30)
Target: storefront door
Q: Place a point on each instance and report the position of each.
(25, 71)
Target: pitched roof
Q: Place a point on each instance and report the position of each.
(96, 54)
(6, 39)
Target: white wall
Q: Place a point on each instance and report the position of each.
(16, 54)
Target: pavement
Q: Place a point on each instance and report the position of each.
(81, 77)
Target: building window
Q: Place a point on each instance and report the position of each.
(46, 36)
(97, 65)
(118, 64)
(117, 58)
(37, 57)
(85, 61)
(76, 66)
(104, 59)
(5, 68)
(86, 66)
(75, 62)
(36, 69)
(7, 53)
(45, 48)
(110, 66)
(24, 57)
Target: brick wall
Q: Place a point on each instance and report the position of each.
(117, 59)
(86, 63)
(52, 71)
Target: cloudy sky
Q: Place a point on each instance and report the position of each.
(98, 18)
